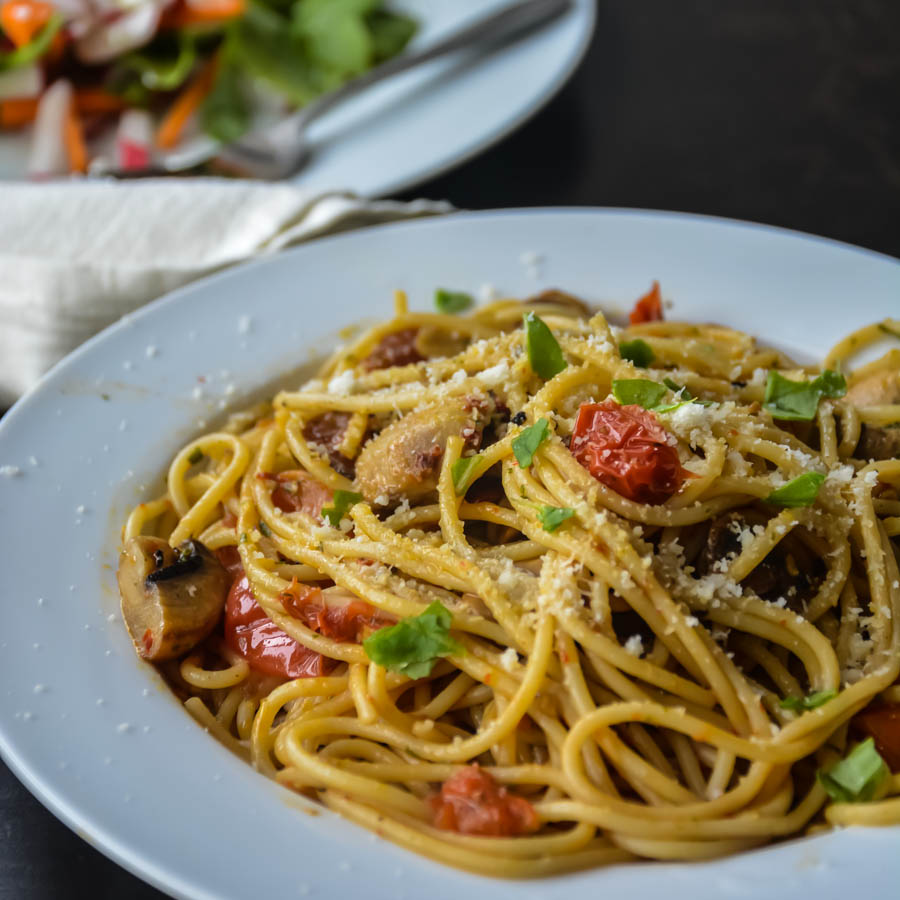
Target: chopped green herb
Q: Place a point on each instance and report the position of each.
(196, 456)
(341, 504)
(857, 777)
(799, 400)
(413, 645)
(888, 330)
(525, 445)
(640, 391)
(676, 387)
(799, 491)
(544, 353)
(452, 301)
(462, 471)
(243, 538)
(810, 701)
(553, 516)
(264, 529)
(638, 352)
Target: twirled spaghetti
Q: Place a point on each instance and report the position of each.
(666, 582)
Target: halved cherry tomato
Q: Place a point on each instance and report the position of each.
(298, 491)
(231, 560)
(21, 20)
(268, 649)
(395, 349)
(627, 449)
(339, 621)
(883, 724)
(649, 308)
(471, 802)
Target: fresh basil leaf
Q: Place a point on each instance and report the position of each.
(452, 301)
(226, 113)
(799, 491)
(390, 33)
(857, 777)
(544, 353)
(413, 645)
(639, 391)
(678, 388)
(341, 503)
(552, 517)
(462, 471)
(810, 701)
(799, 400)
(34, 49)
(638, 352)
(525, 445)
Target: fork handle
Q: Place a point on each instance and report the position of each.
(503, 23)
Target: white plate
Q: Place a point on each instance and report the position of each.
(96, 735)
(419, 124)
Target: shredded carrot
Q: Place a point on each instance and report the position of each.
(88, 101)
(186, 104)
(74, 139)
(23, 19)
(201, 12)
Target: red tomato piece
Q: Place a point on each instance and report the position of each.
(649, 308)
(627, 449)
(230, 560)
(395, 349)
(471, 802)
(268, 649)
(883, 724)
(298, 491)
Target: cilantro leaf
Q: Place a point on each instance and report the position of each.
(341, 504)
(390, 31)
(857, 777)
(799, 400)
(638, 352)
(413, 645)
(525, 445)
(226, 112)
(552, 517)
(335, 34)
(452, 301)
(799, 491)
(462, 471)
(640, 391)
(544, 353)
(810, 701)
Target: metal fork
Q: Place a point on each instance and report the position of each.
(282, 149)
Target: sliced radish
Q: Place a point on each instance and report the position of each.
(134, 139)
(48, 154)
(109, 39)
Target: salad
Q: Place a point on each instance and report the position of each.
(119, 82)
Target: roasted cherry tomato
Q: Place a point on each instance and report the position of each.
(298, 491)
(883, 724)
(649, 308)
(471, 802)
(627, 449)
(268, 649)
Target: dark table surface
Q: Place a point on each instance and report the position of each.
(783, 113)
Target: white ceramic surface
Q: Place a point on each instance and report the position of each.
(96, 735)
(418, 124)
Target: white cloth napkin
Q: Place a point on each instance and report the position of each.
(76, 256)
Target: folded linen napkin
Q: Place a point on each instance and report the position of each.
(76, 256)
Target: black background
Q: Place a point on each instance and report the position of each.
(777, 111)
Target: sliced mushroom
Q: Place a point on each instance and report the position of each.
(404, 460)
(171, 598)
(878, 443)
(879, 389)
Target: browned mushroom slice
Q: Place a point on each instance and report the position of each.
(879, 443)
(404, 460)
(171, 598)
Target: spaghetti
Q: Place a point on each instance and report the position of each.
(530, 596)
